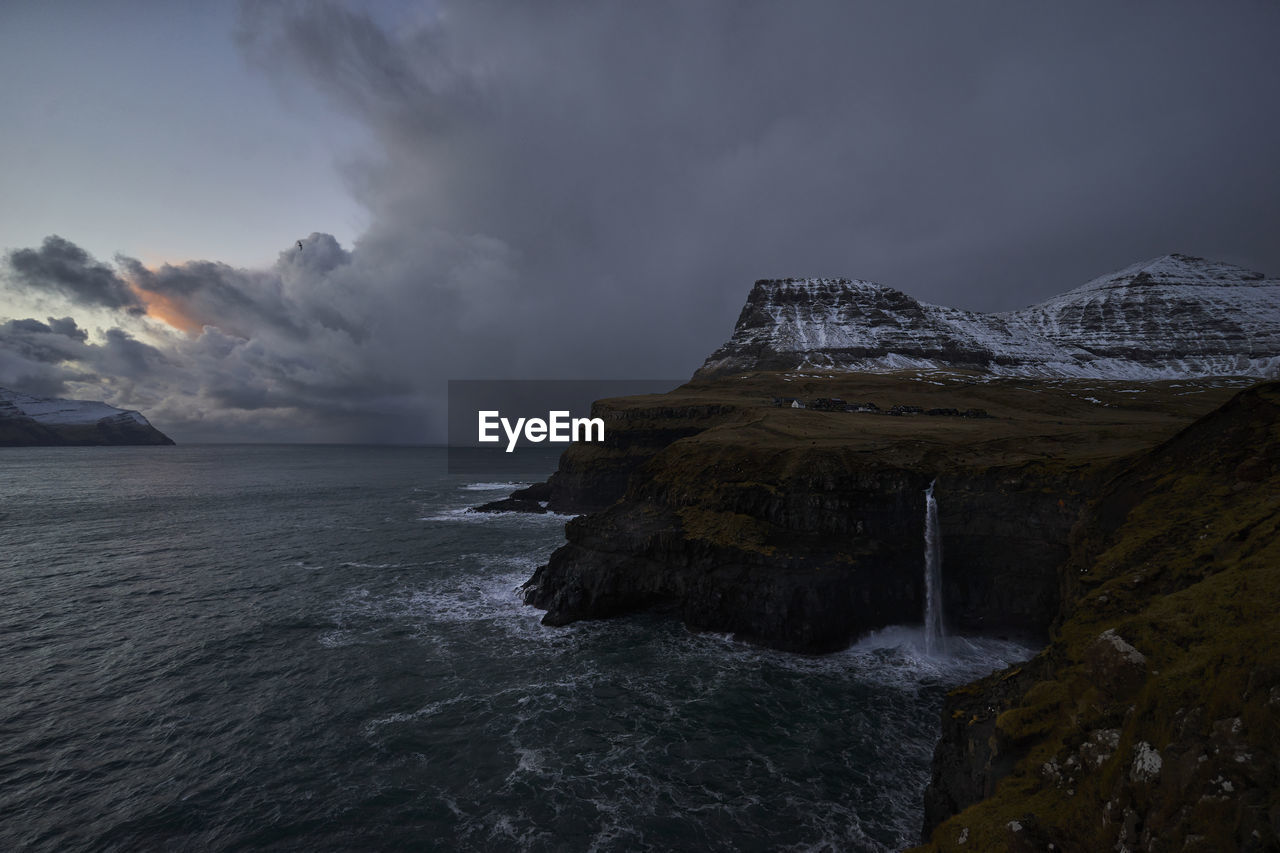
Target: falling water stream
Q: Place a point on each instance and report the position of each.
(934, 634)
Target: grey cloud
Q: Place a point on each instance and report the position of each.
(124, 355)
(368, 70)
(289, 298)
(68, 329)
(31, 377)
(24, 327)
(54, 342)
(239, 301)
(41, 358)
(62, 267)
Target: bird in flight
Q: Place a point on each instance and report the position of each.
(299, 245)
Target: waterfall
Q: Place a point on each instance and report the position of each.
(934, 635)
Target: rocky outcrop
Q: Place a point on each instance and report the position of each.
(532, 499)
(1168, 317)
(32, 421)
(1152, 719)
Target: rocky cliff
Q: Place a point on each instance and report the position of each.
(1152, 719)
(1168, 317)
(27, 420)
(802, 529)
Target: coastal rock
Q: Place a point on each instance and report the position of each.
(1117, 667)
(532, 499)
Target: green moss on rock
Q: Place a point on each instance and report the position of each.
(1170, 644)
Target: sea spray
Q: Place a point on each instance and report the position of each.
(934, 633)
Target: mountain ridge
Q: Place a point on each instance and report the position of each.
(1168, 317)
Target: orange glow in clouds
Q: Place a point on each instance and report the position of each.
(166, 310)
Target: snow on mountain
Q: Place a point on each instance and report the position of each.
(49, 410)
(26, 420)
(1168, 317)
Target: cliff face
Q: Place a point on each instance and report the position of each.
(1152, 719)
(1168, 317)
(806, 551)
(28, 421)
(803, 529)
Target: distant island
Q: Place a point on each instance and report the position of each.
(27, 421)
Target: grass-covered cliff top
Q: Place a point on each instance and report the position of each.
(1063, 421)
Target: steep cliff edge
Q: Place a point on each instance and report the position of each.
(802, 529)
(47, 421)
(1152, 719)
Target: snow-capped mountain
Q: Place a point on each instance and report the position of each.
(28, 420)
(1169, 317)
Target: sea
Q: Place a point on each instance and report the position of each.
(316, 648)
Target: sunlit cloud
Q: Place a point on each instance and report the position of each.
(160, 307)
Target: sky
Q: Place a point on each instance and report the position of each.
(567, 190)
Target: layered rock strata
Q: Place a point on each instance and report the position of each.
(1171, 316)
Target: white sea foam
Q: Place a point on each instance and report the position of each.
(466, 515)
(894, 657)
(492, 487)
(897, 654)
(430, 710)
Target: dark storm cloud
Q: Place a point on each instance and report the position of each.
(68, 329)
(641, 164)
(62, 267)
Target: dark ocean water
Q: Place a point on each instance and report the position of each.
(315, 648)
